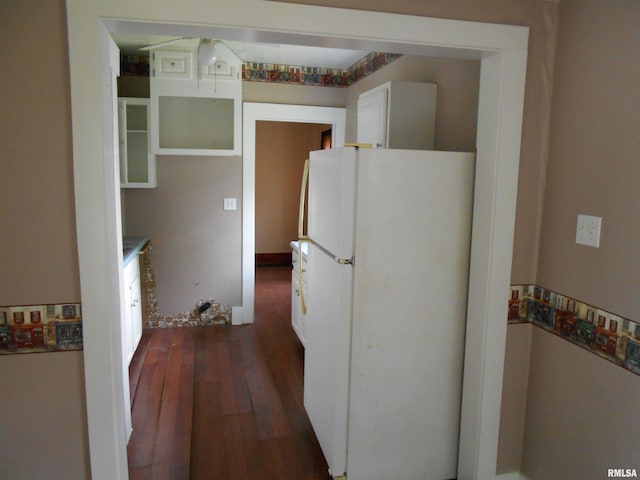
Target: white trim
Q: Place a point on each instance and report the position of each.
(253, 112)
(498, 152)
(512, 476)
(503, 50)
(97, 190)
(237, 315)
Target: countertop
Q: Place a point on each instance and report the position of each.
(131, 246)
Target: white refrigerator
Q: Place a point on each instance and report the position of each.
(389, 239)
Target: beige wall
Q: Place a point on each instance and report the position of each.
(580, 410)
(593, 156)
(196, 244)
(514, 397)
(43, 419)
(281, 149)
(36, 196)
(581, 413)
(262, 92)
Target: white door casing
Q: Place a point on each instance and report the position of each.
(502, 50)
(252, 112)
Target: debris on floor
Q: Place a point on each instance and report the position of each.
(206, 312)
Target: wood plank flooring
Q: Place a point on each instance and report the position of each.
(224, 402)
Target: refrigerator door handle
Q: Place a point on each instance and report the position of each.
(303, 194)
(341, 261)
(301, 236)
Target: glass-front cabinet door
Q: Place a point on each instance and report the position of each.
(137, 162)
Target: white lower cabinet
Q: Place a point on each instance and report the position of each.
(298, 293)
(132, 322)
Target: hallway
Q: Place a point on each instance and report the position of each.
(225, 402)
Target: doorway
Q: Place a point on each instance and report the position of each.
(268, 112)
(502, 50)
(281, 149)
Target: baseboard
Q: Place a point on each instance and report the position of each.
(511, 476)
(237, 315)
(272, 259)
(499, 476)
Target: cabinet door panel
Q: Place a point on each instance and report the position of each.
(132, 323)
(295, 304)
(219, 70)
(372, 119)
(196, 122)
(173, 65)
(137, 163)
(137, 148)
(136, 314)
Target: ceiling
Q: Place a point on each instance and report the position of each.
(294, 55)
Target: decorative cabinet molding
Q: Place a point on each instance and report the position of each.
(222, 69)
(196, 109)
(172, 65)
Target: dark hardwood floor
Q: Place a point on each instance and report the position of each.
(225, 402)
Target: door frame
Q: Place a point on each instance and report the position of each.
(253, 112)
(502, 50)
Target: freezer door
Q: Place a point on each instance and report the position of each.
(326, 361)
(332, 179)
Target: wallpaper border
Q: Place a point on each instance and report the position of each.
(40, 328)
(603, 333)
(138, 66)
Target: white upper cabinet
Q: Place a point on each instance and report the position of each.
(372, 118)
(398, 115)
(137, 163)
(172, 64)
(196, 109)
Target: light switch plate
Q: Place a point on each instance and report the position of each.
(229, 204)
(588, 230)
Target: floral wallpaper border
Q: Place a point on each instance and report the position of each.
(314, 76)
(603, 333)
(138, 66)
(40, 328)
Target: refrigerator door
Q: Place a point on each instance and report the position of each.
(326, 361)
(409, 313)
(332, 179)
